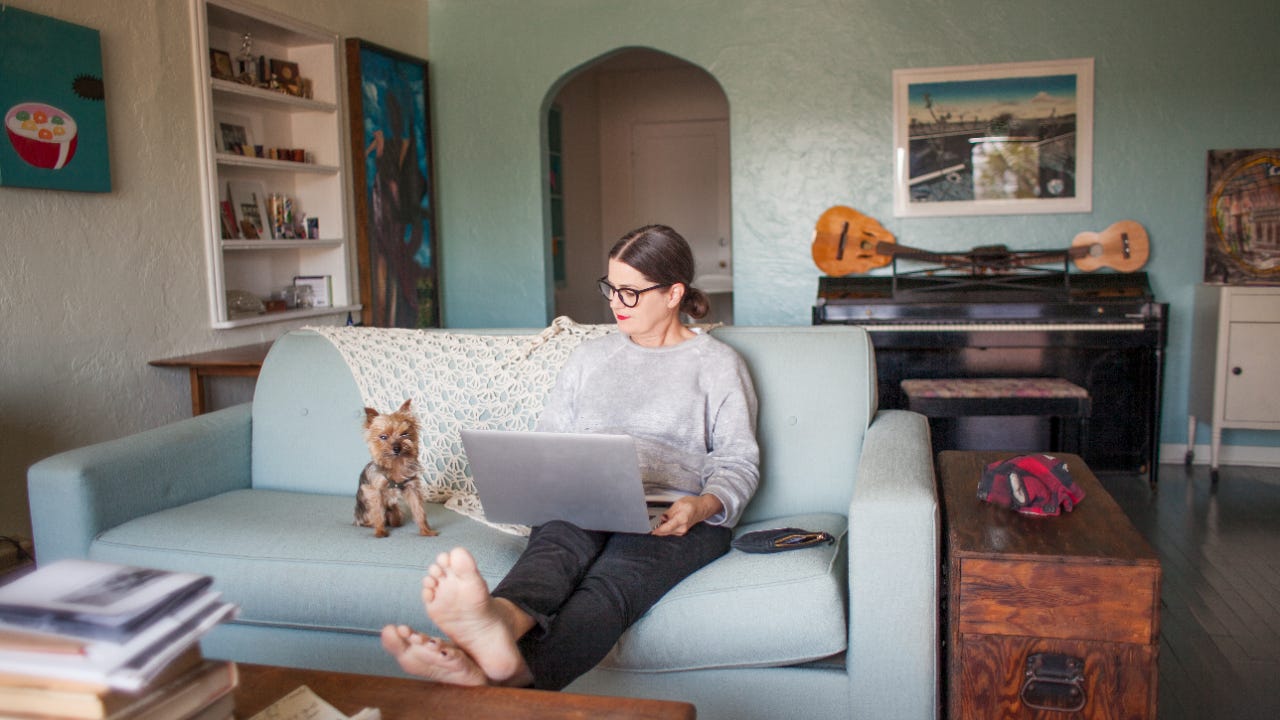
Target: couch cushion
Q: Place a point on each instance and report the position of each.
(296, 559)
(742, 610)
(748, 610)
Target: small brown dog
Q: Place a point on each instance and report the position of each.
(394, 473)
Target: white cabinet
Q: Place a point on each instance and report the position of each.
(1235, 362)
(293, 146)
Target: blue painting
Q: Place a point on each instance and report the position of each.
(51, 97)
(397, 241)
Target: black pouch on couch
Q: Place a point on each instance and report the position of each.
(781, 539)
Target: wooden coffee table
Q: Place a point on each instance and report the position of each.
(262, 685)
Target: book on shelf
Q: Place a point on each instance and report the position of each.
(103, 625)
(187, 690)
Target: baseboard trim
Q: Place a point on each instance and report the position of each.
(1253, 455)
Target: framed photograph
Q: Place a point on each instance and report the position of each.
(220, 65)
(1003, 139)
(397, 243)
(248, 200)
(285, 73)
(321, 288)
(1242, 205)
(233, 133)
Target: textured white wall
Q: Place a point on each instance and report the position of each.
(92, 286)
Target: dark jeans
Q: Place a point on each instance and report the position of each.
(585, 588)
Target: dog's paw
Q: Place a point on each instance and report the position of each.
(428, 532)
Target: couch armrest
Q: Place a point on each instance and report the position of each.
(894, 540)
(78, 494)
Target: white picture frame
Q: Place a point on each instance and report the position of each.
(248, 200)
(1002, 139)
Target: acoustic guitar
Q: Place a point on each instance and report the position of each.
(845, 242)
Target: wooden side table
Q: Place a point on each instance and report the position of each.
(243, 361)
(1052, 612)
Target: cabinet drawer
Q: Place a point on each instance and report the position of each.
(1081, 601)
(1255, 307)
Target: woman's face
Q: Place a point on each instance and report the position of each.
(656, 309)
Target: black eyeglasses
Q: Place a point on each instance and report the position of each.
(626, 296)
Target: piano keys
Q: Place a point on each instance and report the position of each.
(1102, 331)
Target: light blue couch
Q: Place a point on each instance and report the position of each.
(260, 497)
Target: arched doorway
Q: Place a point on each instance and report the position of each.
(637, 137)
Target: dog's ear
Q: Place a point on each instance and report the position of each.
(405, 406)
(369, 415)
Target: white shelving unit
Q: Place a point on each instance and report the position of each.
(1235, 356)
(319, 187)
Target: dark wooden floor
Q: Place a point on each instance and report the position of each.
(1219, 547)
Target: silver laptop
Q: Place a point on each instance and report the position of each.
(530, 478)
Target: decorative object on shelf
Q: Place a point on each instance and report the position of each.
(397, 247)
(242, 303)
(220, 65)
(228, 215)
(232, 133)
(318, 287)
(1001, 139)
(1242, 217)
(249, 67)
(248, 199)
(287, 223)
(285, 75)
(56, 126)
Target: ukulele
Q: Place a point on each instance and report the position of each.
(845, 241)
(1123, 246)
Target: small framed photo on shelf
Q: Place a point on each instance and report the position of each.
(248, 200)
(285, 73)
(220, 65)
(321, 288)
(233, 133)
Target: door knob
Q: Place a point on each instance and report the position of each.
(1236, 370)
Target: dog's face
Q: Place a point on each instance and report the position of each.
(392, 437)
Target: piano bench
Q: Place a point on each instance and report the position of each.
(1054, 398)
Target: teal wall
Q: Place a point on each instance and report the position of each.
(809, 88)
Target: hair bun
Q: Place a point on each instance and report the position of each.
(695, 303)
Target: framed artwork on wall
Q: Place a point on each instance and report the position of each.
(396, 238)
(52, 102)
(1003, 139)
(1242, 217)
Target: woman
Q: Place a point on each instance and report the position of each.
(689, 403)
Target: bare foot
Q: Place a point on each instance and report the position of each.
(459, 603)
(431, 658)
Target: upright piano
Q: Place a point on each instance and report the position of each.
(1102, 331)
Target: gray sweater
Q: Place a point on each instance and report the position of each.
(691, 408)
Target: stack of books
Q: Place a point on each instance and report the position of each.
(84, 639)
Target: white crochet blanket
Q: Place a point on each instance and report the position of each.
(458, 380)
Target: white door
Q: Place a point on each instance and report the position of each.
(680, 177)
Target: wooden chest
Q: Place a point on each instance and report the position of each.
(1045, 614)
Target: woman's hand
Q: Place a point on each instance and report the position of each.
(687, 512)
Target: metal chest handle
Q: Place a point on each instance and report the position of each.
(1054, 682)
